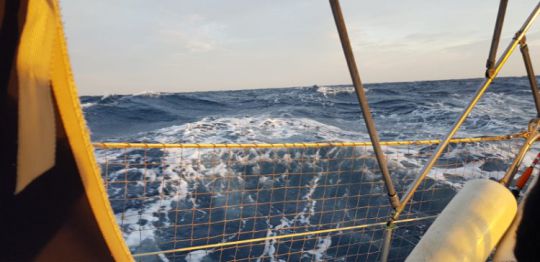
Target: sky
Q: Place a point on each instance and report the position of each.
(134, 46)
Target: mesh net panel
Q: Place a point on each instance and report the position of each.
(290, 204)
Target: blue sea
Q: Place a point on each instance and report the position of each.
(411, 110)
(402, 111)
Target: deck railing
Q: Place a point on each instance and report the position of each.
(290, 201)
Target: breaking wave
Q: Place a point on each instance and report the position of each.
(415, 110)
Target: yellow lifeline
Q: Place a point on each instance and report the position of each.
(120, 145)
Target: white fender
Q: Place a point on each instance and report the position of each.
(470, 226)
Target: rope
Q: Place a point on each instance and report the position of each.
(120, 145)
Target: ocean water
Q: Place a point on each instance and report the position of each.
(402, 111)
(413, 110)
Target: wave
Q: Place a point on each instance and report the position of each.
(194, 179)
(335, 90)
(262, 129)
(189, 178)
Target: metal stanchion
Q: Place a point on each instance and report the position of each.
(496, 37)
(483, 87)
(361, 94)
(530, 73)
(534, 126)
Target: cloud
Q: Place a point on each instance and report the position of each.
(193, 33)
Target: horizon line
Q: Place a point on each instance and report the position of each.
(296, 86)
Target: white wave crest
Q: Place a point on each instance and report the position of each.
(334, 90)
(87, 105)
(252, 129)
